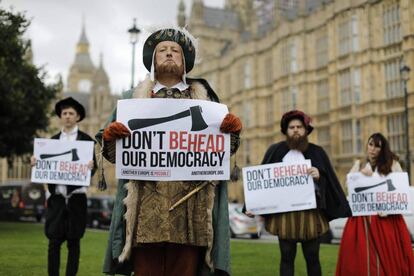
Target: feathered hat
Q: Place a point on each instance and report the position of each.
(181, 36)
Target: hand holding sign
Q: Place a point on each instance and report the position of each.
(231, 124)
(90, 165)
(249, 214)
(32, 161)
(114, 131)
(367, 171)
(314, 172)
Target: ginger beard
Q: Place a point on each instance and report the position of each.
(168, 61)
(169, 68)
(297, 142)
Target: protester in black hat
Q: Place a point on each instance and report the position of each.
(66, 206)
(305, 226)
(144, 236)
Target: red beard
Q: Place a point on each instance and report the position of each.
(169, 68)
(299, 143)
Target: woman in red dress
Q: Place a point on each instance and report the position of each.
(380, 244)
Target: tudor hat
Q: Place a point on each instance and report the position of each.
(183, 38)
(295, 114)
(70, 102)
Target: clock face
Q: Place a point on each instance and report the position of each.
(84, 85)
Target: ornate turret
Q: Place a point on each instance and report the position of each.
(101, 101)
(230, 4)
(100, 79)
(82, 69)
(197, 11)
(83, 44)
(28, 54)
(244, 8)
(181, 14)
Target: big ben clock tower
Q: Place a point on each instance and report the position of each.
(82, 70)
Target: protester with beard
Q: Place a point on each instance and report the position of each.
(145, 237)
(377, 244)
(305, 226)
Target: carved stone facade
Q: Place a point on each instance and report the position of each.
(337, 60)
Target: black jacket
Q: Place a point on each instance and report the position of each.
(67, 219)
(332, 200)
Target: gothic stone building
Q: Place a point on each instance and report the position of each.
(338, 60)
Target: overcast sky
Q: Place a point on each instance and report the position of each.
(56, 27)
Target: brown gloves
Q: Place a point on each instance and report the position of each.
(115, 130)
(231, 124)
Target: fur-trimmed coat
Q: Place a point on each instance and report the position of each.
(124, 219)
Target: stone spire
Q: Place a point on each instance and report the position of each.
(197, 11)
(28, 54)
(181, 14)
(82, 69)
(83, 43)
(100, 60)
(101, 78)
(245, 10)
(100, 102)
(82, 58)
(230, 4)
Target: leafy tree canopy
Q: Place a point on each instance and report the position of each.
(24, 97)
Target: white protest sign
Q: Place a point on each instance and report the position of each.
(172, 139)
(279, 187)
(370, 195)
(62, 162)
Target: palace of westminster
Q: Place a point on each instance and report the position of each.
(337, 60)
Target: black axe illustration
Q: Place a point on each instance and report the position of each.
(194, 111)
(388, 182)
(74, 153)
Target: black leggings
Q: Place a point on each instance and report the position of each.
(310, 252)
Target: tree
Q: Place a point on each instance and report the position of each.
(24, 97)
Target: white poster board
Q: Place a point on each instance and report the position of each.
(172, 140)
(370, 195)
(279, 187)
(62, 162)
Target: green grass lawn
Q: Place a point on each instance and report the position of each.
(23, 252)
(262, 259)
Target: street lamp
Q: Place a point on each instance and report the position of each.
(133, 38)
(405, 72)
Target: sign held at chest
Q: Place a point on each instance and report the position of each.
(172, 140)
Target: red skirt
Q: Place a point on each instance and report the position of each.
(377, 246)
